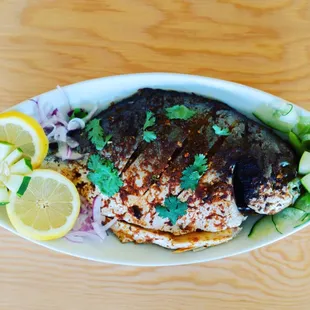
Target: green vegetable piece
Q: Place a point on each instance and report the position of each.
(96, 134)
(304, 220)
(179, 112)
(78, 113)
(305, 181)
(302, 127)
(22, 167)
(173, 209)
(288, 219)
(295, 142)
(5, 149)
(23, 187)
(192, 174)
(104, 175)
(149, 136)
(221, 132)
(304, 163)
(263, 228)
(4, 196)
(266, 114)
(305, 140)
(303, 203)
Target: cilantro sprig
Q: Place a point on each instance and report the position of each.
(179, 112)
(221, 132)
(96, 134)
(104, 175)
(148, 135)
(77, 113)
(173, 208)
(192, 174)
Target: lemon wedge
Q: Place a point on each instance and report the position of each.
(24, 132)
(48, 209)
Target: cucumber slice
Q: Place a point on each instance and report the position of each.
(302, 127)
(263, 228)
(13, 157)
(305, 181)
(4, 196)
(17, 184)
(304, 163)
(295, 142)
(288, 219)
(5, 149)
(23, 187)
(303, 203)
(265, 114)
(305, 140)
(280, 115)
(304, 220)
(22, 167)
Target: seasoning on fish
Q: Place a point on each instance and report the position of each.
(194, 177)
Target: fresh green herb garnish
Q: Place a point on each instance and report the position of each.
(179, 112)
(104, 175)
(192, 174)
(221, 132)
(78, 113)
(173, 209)
(149, 136)
(96, 134)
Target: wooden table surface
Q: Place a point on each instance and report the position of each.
(261, 43)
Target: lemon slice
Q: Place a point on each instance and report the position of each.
(48, 209)
(25, 133)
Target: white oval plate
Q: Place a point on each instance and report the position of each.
(106, 90)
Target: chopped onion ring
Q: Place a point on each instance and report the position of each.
(76, 123)
(97, 210)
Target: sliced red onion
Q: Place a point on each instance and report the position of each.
(60, 134)
(69, 152)
(90, 114)
(76, 123)
(76, 156)
(85, 227)
(71, 236)
(78, 236)
(54, 112)
(80, 222)
(99, 230)
(72, 143)
(59, 119)
(110, 224)
(97, 204)
(66, 153)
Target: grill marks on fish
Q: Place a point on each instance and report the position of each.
(244, 173)
(203, 215)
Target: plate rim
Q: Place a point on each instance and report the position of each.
(221, 84)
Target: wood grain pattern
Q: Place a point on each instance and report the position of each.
(261, 43)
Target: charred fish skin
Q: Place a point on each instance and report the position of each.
(248, 170)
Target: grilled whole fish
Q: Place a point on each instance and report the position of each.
(249, 170)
